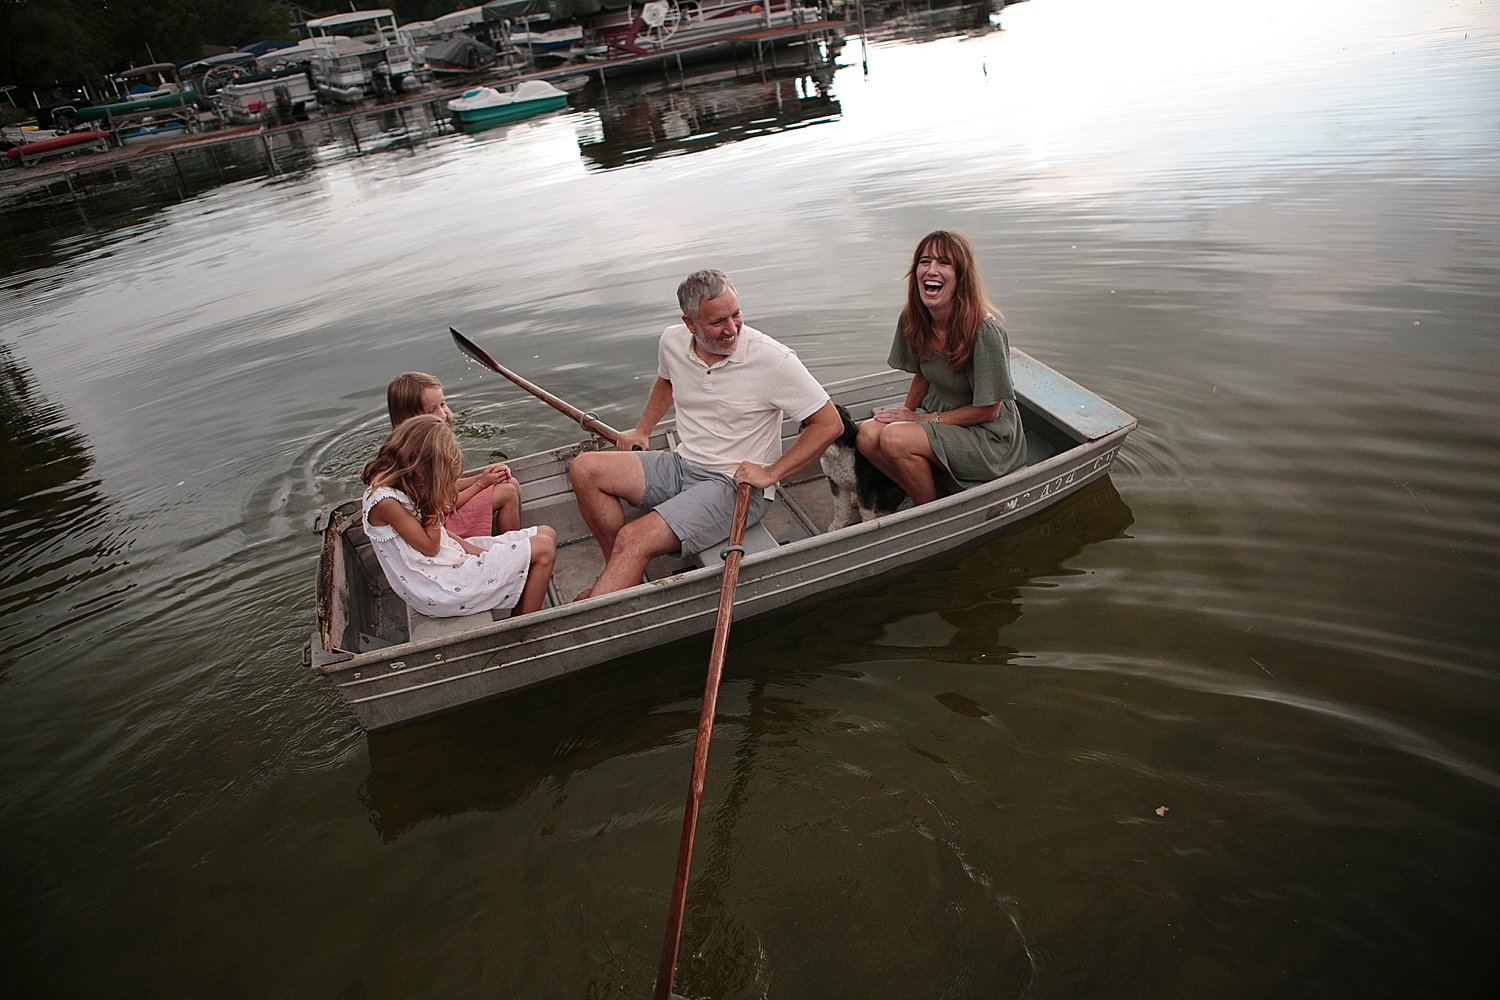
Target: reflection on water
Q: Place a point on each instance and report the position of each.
(704, 115)
(903, 21)
(496, 756)
(56, 539)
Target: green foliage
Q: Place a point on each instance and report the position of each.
(45, 43)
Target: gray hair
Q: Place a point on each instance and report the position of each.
(701, 285)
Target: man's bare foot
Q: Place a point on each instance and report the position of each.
(584, 594)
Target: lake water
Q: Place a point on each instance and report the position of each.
(1223, 725)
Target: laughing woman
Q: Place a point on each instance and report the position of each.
(960, 426)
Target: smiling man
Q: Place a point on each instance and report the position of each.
(731, 386)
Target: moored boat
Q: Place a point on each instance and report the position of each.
(361, 54)
(125, 110)
(30, 150)
(152, 90)
(151, 130)
(392, 666)
(483, 107)
(459, 56)
(650, 26)
(282, 95)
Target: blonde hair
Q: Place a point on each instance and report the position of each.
(421, 458)
(970, 306)
(403, 397)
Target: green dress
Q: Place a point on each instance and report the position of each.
(980, 453)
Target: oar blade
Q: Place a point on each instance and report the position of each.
(474, 351)
(590, 422)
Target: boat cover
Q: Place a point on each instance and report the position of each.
(460, 51)
(259, 49)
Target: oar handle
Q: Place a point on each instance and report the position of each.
(734, 552)
(590, 423)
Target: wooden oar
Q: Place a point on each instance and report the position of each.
(590, 422)
(734, 553)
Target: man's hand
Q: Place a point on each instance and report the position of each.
(756, 475)
(632, 440)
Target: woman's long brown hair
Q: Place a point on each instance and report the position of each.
(970, 306)
(421, 458)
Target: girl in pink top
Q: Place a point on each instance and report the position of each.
(489, 503)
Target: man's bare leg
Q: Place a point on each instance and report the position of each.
(635, 545)
(601, 479)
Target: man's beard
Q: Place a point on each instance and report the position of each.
(711, 346)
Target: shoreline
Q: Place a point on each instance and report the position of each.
(19, 176)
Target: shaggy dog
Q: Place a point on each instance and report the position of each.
(860, 491)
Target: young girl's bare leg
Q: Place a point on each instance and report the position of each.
(506, 499)
(539, 574)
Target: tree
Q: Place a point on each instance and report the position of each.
(48, 42)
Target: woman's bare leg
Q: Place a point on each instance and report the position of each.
(901, 450)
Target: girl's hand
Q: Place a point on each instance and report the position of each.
(895, 414)
(494, 475)
(467, 545)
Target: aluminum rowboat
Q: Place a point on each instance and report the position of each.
(391, 666)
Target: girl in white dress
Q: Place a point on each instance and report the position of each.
(411, 487)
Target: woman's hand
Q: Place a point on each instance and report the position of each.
(895, 414)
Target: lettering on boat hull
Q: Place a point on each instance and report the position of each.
(1064, 482)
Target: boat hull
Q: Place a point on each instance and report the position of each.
(125, 109)
(484, 107)
(505, 114)
(148, 132)
(58, 144)
(1077, 433)
(248, 101)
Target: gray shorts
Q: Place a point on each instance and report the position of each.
(696, 504)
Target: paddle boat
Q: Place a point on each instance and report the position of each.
(483, 107)
(391, 665)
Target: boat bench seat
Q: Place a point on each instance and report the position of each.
(757, 539)
(420, 626)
